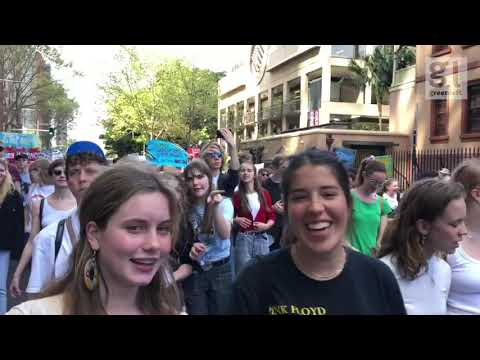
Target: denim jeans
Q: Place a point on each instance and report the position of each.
(4, 262)
(250, 245)
(208, 292)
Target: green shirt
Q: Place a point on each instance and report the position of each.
(365, 224)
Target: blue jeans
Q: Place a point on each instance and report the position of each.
(250, 245)
(4, 263)
(208, 292)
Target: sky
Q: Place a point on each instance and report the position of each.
(95, 62)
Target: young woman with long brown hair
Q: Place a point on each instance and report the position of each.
(128, 226)
(317, 274)
(210, 215)
(430, 220)
(254, 215)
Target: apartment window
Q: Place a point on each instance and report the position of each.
(471, 112)
(438, 50)
(314, 94)
(439, 121)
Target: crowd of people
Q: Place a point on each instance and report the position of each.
(303, 236)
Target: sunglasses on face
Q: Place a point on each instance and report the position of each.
(215, 155)
(59, 172)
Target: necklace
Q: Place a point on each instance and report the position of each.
(330, 276)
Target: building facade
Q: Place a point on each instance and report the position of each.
(288, 98)
(447, 123)
(20, 109)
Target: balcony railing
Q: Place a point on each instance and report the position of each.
(264, 114)
(292, 107)
(249, 118)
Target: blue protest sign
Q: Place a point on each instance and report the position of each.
(347, 156)
(164, 153)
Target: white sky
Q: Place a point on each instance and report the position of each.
(97, 61)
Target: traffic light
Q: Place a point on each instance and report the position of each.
(51, 131)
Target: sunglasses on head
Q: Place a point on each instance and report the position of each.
(58, 172)
(215, 155)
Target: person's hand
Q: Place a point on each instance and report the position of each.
(278, 207)
(243, 222)
(15, 287)
(228, 137)
(259, 226)
(198, 249)
(215, 197)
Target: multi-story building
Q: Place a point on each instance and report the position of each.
(287, 98)
(448, 122)
(15, 87)
(438, 100)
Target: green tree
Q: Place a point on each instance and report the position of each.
(170, 100)
(377, 70)
(26, 81)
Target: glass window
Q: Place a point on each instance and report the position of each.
(473, 122)
(440, 118)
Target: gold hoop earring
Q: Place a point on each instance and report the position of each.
(90, 272)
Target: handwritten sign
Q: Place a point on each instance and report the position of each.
(164, 153)
(347, 156)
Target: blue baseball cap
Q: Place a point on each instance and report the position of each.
(85, 147)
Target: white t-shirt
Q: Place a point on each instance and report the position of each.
(427, 294)
(392, 201)
(44, 267)
(52, 305)
(464, 297)
(254, 204)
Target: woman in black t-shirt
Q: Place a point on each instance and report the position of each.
(317, 274)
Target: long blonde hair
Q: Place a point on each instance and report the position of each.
(102, 200)
(7, 185)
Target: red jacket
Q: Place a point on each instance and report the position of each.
(263, 214)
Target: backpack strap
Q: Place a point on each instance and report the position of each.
(40, 215)
(59, 236)
(71, 232)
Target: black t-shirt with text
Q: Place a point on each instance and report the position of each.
(273, 285)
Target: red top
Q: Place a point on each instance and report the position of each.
(263, 214)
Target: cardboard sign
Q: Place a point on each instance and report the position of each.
(16, 143)
(164, 153)
(347, 156)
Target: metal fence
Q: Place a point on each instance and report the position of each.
(408, 166)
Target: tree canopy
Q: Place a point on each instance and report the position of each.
(169, 100)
